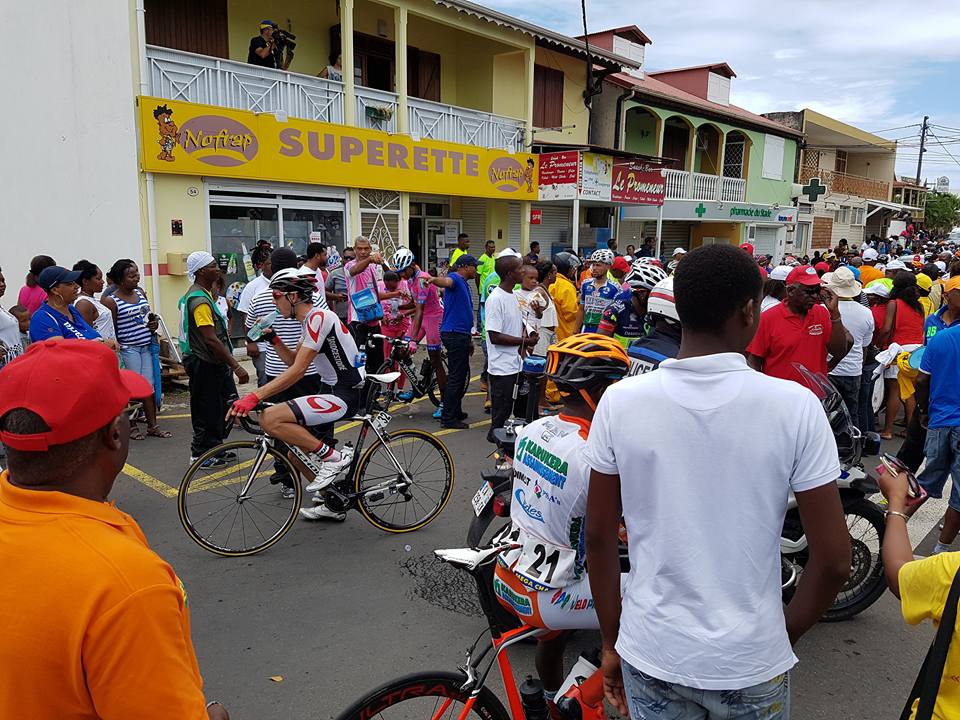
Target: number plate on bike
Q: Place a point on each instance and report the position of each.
(483, 496)
(380, 420)
(545, 564)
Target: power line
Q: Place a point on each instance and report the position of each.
(902, 127)
(944, 147)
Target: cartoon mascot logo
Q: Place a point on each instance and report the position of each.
(168, 132)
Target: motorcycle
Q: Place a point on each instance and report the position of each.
(865, 519)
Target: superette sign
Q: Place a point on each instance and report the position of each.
(594, 176)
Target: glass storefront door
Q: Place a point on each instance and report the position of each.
(299, 223)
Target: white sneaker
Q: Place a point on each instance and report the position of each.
(329, 471)
(320, 512)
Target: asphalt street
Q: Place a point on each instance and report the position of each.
(302, 629)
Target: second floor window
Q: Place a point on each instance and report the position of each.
(547, 97)
(841, 163)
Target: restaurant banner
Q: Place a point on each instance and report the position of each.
(559, 175)
(191, 139)
(637, 183)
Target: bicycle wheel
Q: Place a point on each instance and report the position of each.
(215, 516)
(425, 696)
(387, 500)
(433, 388)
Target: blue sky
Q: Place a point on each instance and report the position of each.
(878, 65)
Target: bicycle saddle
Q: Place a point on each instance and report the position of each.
(385, 378)
(470, 559)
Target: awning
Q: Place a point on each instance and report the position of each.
(885, 205)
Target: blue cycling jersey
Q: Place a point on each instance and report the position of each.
(648, 352)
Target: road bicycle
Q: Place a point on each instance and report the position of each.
(435, 695)
(399, 483)
(420, 383)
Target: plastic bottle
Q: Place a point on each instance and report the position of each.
(256, 331)
(360, 359)
(532, 699)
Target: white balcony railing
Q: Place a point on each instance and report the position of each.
(684, 185)
(178, 75)
(462, 125)
(376, 109)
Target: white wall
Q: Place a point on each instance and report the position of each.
(67, 139)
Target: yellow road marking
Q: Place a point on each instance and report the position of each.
(149, 480)
(449, 431)
(173, 417)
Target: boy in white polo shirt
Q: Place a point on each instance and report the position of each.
(702, 633)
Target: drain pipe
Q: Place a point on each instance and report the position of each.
(151, 204)
(618, 120)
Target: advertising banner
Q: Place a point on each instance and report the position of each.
(190, 139)
(596, 176)
(637, 183)
(559, 175)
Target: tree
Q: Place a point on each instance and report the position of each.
(942, 212)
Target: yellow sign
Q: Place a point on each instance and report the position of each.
(191, 139)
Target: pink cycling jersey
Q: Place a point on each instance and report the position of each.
(426, 294)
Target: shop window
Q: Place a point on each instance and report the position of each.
(547, 97)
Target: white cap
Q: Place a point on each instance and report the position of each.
(780, 272)
(942, 265)
(679, 251)
(507, 252)
(895, 265)
(878, 289)
(870, 254)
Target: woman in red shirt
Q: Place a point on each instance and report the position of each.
(903, 325)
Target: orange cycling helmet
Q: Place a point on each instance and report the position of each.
(586, 361)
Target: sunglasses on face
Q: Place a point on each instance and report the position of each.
(810, 289)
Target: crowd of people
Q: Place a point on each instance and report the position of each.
(719, 342)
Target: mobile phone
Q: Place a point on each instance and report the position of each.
(893, 465)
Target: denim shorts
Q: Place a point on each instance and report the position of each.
(651, 699)
(942, 450)
(138, 358)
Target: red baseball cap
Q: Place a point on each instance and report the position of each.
(620, 263)
(822, 267)
(803, 275)
(76, 386)
(748, 247)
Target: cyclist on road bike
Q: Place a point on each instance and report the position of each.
(328, 345)
(544, 582)
(663, 340)
(427, 315)
(625, 318)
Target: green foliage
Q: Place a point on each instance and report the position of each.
(942, 212)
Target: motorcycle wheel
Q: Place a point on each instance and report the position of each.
(483, 528)
(867, 582)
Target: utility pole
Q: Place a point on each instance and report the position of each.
(923, 141)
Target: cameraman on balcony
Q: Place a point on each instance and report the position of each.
(263, 48)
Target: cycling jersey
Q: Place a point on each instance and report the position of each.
(426, 294)
(648, 352)
(544, 582)
(595, 300)
(337, 357)
(622, 320)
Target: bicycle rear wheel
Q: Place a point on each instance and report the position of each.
(386, 499)
(218, 519)
(425, 696)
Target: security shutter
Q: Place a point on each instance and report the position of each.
(473, 213)
(765, 240)
(674, 235)
(553, 232)
(513, 225)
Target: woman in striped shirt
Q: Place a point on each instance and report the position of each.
(135, 325)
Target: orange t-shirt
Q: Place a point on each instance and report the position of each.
(93, 623)
(868, 274)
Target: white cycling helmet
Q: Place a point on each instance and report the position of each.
(300, 280)
(603, 255)
(643, 276)
(661, 302)
(402, 259)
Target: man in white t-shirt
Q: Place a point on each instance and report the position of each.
(846, 374)
(775, 288)
(506, 340)
(701, 627)
(256, 350)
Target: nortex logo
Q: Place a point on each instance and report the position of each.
(218, 141)
(509, 175)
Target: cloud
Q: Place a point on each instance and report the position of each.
(825, 58)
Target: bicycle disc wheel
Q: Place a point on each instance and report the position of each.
(218, 519)
(425, 696)
(386, 499)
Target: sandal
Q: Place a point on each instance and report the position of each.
(135, 433)
(886, 436)
(155, 431)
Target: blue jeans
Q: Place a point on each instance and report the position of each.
(942, 450)
(652, 699)
(138, 358)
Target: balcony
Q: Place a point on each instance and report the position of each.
(178, 75)
(845, 184)
(684, 185)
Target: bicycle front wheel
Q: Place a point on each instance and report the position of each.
(386, 498)
(425, 696)
(220, 519)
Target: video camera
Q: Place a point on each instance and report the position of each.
(283, 39)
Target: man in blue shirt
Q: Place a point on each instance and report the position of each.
(949, 315)
(456, 335)
(938, 400)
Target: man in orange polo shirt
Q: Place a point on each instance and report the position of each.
(94, 623)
